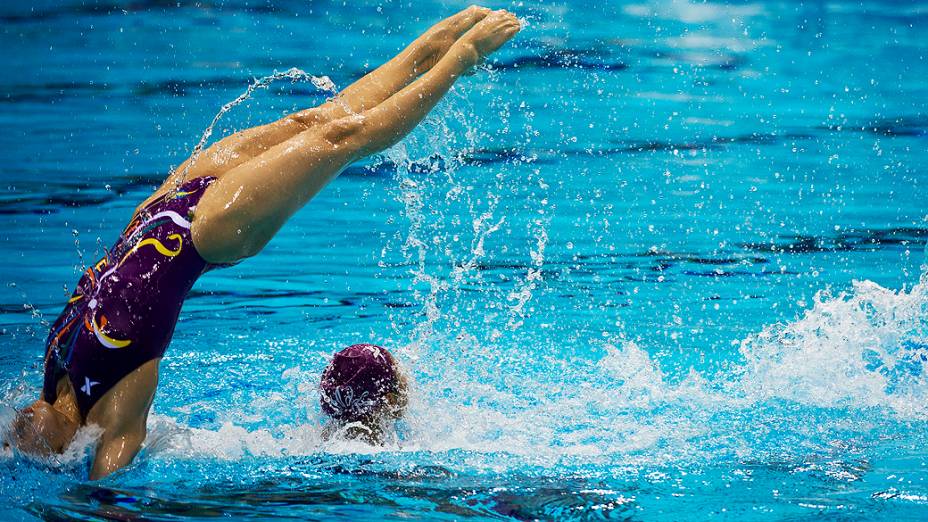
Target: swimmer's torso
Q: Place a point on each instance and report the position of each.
(123, 312)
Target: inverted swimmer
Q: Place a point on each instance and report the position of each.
(103, 351)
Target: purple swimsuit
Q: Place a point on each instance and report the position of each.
(124, 309)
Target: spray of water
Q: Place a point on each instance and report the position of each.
(79, 267)
(438, 147)
(293, 74)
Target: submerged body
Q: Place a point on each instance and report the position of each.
(103, 352)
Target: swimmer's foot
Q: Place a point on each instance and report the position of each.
(441, 36)
(488, 35)
(460, 23)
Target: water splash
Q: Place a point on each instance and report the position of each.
(797, 378)
(522, 294)
(81, 264)
(447, 257)
(431, 206)
(862, 351)
(867, 347)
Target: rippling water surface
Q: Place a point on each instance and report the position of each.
(662, 261)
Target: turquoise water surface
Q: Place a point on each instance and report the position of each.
(659, 260)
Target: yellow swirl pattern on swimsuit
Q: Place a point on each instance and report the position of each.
(163, 250)
(106, 340)
(97, 329)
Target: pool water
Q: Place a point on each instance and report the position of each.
(662, 260)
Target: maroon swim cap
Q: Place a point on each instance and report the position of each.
(357, 381)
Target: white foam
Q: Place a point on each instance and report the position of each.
(859, 350)
(848, 350)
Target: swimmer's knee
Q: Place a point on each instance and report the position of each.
(309, 118)
(358, 136)
(345, 132)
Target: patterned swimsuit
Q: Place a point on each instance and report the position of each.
(125, 307)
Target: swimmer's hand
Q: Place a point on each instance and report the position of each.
(488, 35)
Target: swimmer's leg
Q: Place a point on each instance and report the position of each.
(416, 59)
(381, 83)
(240, 213)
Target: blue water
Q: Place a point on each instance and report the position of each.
(664, 261)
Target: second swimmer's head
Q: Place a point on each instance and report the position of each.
(362, 390)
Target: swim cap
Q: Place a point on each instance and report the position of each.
(357, 381)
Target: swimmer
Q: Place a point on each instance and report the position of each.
(103, 351)
(363, 390)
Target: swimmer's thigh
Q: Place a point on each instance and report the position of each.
(241, 212)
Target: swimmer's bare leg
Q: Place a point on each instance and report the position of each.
(376, 86)
(240, 213)
(416, 59)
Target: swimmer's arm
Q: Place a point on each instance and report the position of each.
(123, 413)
